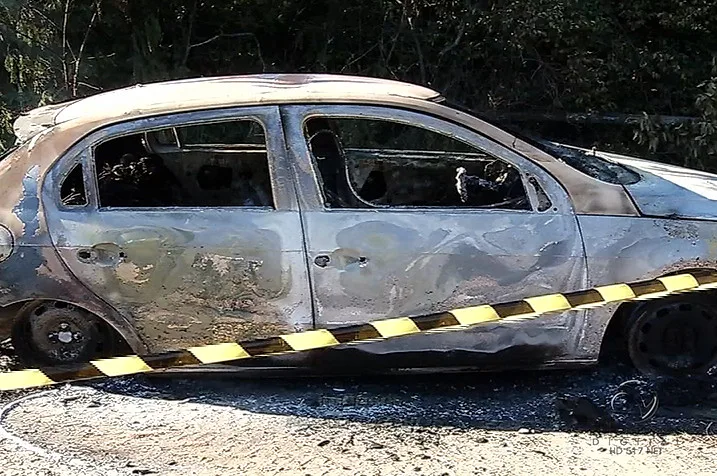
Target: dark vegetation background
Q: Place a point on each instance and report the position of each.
(636, 76)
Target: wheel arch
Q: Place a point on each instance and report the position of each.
(117, 323)
(618, 321)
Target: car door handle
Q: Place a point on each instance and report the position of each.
(87, 255)
(322, 260)
(352, 261)
(103, 254)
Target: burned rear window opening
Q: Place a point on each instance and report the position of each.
(72, 190)
(225, 165)
(376, 163)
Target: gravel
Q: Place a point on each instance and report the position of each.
(439, 425)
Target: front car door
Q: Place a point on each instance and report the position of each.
(188, 225)
(406, 214)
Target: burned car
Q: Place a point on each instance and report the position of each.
(200, 211)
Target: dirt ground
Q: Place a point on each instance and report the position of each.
(451, 424)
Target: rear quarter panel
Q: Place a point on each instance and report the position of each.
(34, 270)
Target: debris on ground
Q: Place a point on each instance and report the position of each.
(443, 424)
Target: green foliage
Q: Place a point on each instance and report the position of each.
(651, 56)
(692, 143)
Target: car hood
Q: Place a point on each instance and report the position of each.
(668, 190)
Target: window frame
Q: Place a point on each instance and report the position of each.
(61, 170)
(185, 146)
(295, 118)
(66, 175)
(282, 189)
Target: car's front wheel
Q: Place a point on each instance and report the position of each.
(673, 337)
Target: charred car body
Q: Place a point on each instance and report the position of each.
(200, 211)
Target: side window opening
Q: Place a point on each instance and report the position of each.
(244, 134)
(366, 163)
(222, 164)
(72, 190)
(544, 202)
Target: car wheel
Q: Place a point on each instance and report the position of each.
(56, 333)
(673, 337)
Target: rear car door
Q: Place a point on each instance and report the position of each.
(186, 224)
(406, 214)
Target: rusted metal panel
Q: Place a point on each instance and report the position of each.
(35, 121)
(189, 276)
(621, 249)
(670, 191)
(144, 100)
(413, 261)
(34, 270)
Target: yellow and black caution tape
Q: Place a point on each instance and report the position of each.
(456, 319)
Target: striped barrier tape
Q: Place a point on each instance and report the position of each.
(456, 319)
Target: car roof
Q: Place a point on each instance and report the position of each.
(166, 97)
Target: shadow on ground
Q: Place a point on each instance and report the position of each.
(539, 401)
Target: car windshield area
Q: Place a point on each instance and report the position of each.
(586, 162)
(364, 163)
(591, 164)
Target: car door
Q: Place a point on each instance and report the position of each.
(186, 224)
(406, 214)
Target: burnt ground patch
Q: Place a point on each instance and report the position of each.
(607, 398)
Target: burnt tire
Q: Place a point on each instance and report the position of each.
(56, 333)
(673, 337)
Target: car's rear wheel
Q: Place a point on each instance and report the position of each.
(56, 333)
(673, 337)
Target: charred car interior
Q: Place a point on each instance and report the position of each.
(372, 163)
(363, 163)
(207, 165)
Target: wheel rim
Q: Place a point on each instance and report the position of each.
(675, 338)
(60, 333)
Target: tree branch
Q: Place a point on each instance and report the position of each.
(358, 58)
(395, 37)
(448, 48)
(232, 35)
(190, 29)
(55, 26)
(65, 66)
(76, 74)
(417, 42)
(216, 37)
(89, 86)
